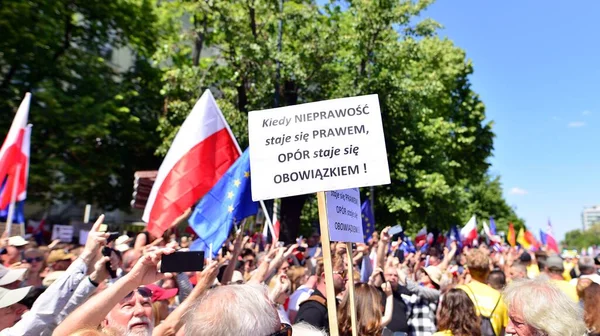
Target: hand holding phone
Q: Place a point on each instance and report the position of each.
(178, 262)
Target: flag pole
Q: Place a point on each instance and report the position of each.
(13, 199)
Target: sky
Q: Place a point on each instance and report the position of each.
(537, 69)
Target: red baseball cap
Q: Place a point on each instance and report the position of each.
(159, 293)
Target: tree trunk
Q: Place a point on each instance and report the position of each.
(291, 209)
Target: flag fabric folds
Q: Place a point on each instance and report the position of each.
(18, 216)
(469, 232)
(368, 220)
(202, 151)
(492, 226)
(510, 237)
(521, 239)
(228, 201)
(14, 157)
(550, 241)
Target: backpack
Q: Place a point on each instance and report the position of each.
(316, 298)
(487, 329)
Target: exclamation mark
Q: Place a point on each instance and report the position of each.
(365, 165)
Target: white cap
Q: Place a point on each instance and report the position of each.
(9, 297)
(122, 247)
(8, 275)
(237, 277)
(17, 241)
(124, 239)
(594, 277)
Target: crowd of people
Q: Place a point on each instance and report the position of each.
(257, 289)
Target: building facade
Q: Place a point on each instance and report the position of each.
(590, 216)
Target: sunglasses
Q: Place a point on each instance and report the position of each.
(36, 259)
(144, 292)
(341, 273)
(286, 330)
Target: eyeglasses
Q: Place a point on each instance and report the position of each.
(36, 259)
(286, 330)
(144, 292)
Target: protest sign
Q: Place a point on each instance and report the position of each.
(343, 215)
(83, 235)
(328, 145)
(62, 232)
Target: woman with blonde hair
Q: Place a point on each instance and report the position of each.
(457, 315)
(369, 308)
(37, 260)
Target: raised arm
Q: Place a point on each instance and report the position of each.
(93, 312)
(174, 321)
(389, 304)
(382, 247)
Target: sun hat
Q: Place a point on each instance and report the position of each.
(9, 275)
(9, 297)
(17, 241)
(434, 273)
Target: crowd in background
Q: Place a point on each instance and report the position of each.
(260, 289)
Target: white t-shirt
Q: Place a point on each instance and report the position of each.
(283, 316)
(299, 296)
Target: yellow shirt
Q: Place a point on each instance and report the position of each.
(567, 288)
(533, 271)
(443, 333)
(485, 299)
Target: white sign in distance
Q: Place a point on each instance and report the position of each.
(328, 145)
(62, 232)
(343, 216)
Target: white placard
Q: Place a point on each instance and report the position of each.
(62, 232)
(329, 145)
(343, 216)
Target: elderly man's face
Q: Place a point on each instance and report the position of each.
(517, 324)
(133, 315)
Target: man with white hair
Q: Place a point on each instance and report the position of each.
(538, 307)
(240, 310)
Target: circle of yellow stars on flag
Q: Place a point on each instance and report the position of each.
(231, 194)
(366, 220)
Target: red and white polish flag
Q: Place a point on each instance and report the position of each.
(469, 231)
(202, 151)
(14, 156)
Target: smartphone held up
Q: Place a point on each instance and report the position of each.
(177, 262)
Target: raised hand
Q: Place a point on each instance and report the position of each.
(385, 236)
(208, 275)
(94, 243)
(146, 269)
(387, 288)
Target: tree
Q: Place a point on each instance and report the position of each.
(437, 139)
(94, 121)
(579, 239)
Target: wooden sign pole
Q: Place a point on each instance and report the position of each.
(327, 263)
(351, 290)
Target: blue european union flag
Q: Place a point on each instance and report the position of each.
(228, 201)
(18, 216)
(492, 226)
(368, 220)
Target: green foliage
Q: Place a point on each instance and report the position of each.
(93, 121)
(437, 139)
(578, 239)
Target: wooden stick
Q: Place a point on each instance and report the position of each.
(327, 263)
(351, 290)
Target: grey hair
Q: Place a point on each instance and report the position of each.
(545, 307)
(305, 329)
(586, 265)
(240, 310)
